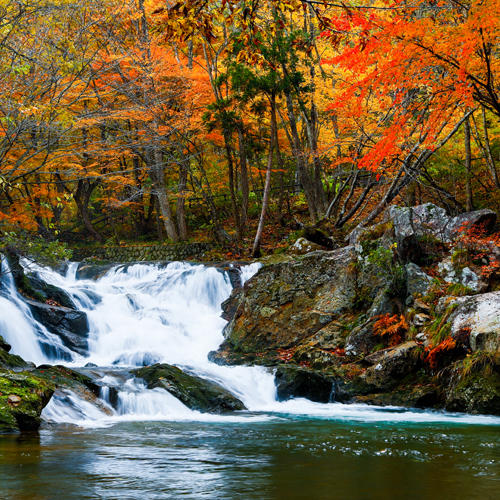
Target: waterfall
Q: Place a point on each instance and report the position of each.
(28, 338)
(145, 313)
(140, 314)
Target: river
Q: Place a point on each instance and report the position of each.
(152, 447)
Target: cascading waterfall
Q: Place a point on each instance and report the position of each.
(141, 314)
(28, 338)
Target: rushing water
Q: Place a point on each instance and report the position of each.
(149, 445)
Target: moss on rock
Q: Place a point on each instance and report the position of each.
(22, 399)
(196, 393)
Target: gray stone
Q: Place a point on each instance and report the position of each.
(392, 366)
(418, 283)
(480, 315)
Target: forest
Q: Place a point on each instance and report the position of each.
(239, 121)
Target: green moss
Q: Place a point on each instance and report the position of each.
(459, 290)
(11, 360)
(195, 392)
(32, 395)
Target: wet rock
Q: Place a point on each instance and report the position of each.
(392, 366)
(477, 394)
(46, 291)
(65, 379)
(196, 393)
(417, 282)
(303, 246)
(88, 271)
(71, 326)
(11, 361)
(479, 315)
(4, 345)
(297, 382)
(22, 399)
(429, 396)
(287, 302)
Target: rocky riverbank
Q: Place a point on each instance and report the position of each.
(406, 314)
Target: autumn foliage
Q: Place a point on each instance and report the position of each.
(148, 120)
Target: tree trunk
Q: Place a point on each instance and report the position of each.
(181, 202)
(299, 156)
(162, 196)
(489, 156)
(265, 199)
(234, 203)
(244, 178)
(468, 167)
(82, 200)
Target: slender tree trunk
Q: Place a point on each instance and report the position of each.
(181, 202)
(489, 155)
(162, 196)
(265, 199)
(244, 178)
(234, 203)
(468, 167)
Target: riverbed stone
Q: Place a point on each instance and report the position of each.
(195, 392)
(22, 399)
(298, 382)
(392, 366)
(71, 326)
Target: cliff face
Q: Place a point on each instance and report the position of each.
(378, 320)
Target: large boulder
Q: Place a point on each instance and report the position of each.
(71, 326)
(391, 366)
(297, 382)
(412, 223)
(45, 291)
(480, 316)
(196, 393)
(22, 399)
(287, 302)
(303, 246)
(478, 393)
(417, 282)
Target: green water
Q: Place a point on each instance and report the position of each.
(281, 458)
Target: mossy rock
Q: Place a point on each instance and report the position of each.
(4, 345)
(196, 393)
(22, 399)
(63, 377)
(298, 382)
(478, 394)
(8, 361)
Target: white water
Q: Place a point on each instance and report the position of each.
(142, 314)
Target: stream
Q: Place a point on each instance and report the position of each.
(150, 446)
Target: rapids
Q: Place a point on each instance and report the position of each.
(141, 314)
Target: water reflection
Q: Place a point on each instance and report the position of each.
(276, 460)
